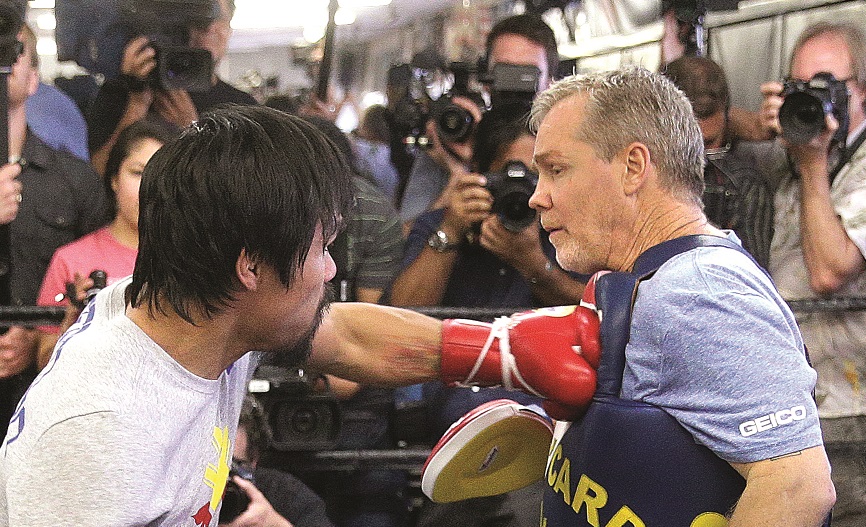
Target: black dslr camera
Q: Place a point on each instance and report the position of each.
(167, 24)
(235, 499)
(454, 122)
(428, 94)
(806, 105)
(511, 190)
(511, 83)
(300, 417)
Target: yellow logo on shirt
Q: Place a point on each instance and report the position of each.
(215, 476)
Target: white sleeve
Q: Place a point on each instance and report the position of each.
(849, 200)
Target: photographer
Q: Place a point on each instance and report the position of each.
(111, 249)
(820, 235)
(523, 40)
(736, 197)
(273, 498)
(464, 255)
(50, 198)
(132, 97)
(464, 240)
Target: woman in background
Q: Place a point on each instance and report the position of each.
(113, 248)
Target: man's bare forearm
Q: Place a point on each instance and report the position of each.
(793, 490)
(378, 345)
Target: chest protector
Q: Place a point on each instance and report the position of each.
(628, 463)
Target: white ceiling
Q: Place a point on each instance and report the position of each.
(370, 22)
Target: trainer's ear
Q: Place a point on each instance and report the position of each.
(636, 161)
(247, 270)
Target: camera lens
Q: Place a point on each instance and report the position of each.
(514, 210)
(304, 421)
(184, 68)
(455, 123)
(801, 117)
(178, 65)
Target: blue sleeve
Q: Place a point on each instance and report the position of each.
(426, 182)
(425, 225)
(715, 346)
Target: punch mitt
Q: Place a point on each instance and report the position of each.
(496, 448)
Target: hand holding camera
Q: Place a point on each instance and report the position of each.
(244, 504)
(139, 59)
(810, 116)
(470, 203)
(805, 111)
(449, 134)
(516, 248)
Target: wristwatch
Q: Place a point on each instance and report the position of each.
(439, 242)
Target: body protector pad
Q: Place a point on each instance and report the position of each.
(628, 463)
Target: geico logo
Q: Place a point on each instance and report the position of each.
(766, 422)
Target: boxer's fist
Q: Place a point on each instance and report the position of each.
(551, 352)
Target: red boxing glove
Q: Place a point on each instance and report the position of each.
(552, 353)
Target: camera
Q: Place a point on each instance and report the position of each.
(94, 33)
(300, 417)
(180, 67)
(167, 23)
(512, 83)
(428, 94)
(453, 122)
(511, 189)
(235, 499)
(806, 105)
(99, 278)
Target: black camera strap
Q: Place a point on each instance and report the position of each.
(847, 154)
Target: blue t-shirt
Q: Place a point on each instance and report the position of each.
(55, 118)
(714, 344)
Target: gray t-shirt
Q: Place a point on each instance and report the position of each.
(115, 432)
(714, 344)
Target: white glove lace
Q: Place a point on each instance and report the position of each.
(499, 330)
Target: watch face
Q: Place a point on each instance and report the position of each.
(439, 242)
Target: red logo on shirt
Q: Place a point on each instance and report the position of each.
(203, 516)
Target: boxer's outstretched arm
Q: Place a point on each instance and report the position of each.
(552, 353)
(380, 345)
(793, 490)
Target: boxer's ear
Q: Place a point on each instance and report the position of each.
(247, 271)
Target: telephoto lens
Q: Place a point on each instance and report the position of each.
(807, 103)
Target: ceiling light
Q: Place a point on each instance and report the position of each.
(46, 46)
(46, 21)
(363, 3)
(314, 33)
(344, 16)
(41, 4)
(267, 14)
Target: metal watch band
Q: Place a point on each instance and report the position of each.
(439, 242)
